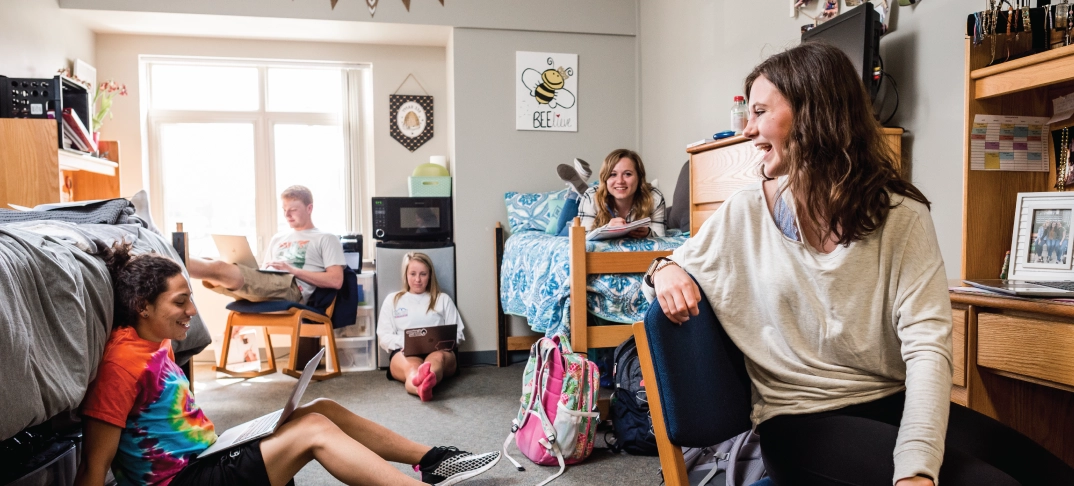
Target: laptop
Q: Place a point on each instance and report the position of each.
(236, 249)
(1026, 288)
(424, 340)
(269, 423)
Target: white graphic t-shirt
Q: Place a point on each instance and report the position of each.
(413, 311)
(312, 250)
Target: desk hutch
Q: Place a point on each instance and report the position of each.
(1014, 357)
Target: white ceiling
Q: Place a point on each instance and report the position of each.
(198, 25)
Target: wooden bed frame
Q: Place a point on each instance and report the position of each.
(717, 170)
(582, 264)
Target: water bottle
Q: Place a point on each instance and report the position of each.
(739, 115)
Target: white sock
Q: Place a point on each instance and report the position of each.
(583, 169)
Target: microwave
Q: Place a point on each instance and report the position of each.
(412, 219)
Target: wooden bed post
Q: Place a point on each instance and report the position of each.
(578, 308)
(182, 246)
(501, 318)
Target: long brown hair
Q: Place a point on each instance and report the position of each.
(642, 207)
(432, 288)
(840, 168)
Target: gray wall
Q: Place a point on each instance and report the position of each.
(694, 55)
(491, 157)
(37, 39)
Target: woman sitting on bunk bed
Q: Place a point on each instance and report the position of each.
(622, 197)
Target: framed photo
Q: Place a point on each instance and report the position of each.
(1041, 244)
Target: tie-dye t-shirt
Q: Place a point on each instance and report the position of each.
(140, 388)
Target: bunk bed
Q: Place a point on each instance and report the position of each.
(717, 170)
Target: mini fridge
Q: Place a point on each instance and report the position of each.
(389, 255)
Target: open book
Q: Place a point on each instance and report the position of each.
(606, 233)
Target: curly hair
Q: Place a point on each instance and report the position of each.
(642, 206)
(840, 167)
(136, 280)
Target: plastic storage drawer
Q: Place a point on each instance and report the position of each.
(356, 354)
(426, 186)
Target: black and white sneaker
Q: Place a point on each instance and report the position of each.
(449, 465)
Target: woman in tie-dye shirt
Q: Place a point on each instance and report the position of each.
(141, 420)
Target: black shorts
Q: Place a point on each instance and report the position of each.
(242, 465)
(392, 353)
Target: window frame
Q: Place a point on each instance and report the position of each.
(354, 119)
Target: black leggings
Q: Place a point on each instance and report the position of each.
(853, 445)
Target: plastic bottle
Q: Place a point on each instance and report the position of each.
(739, 114)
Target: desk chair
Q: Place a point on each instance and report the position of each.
(696, 382)
(281, 317)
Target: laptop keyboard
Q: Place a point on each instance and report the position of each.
(1065, 285)
(261, 426)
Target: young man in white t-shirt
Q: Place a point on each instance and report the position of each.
(312, 259)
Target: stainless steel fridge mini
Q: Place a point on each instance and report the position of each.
(390, 272)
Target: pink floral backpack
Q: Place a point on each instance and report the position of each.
(558, 418)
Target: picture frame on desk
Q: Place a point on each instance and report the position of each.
(1041, 243)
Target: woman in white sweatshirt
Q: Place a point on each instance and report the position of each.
(419, 304)
(828, 277)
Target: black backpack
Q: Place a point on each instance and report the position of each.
(631, 422)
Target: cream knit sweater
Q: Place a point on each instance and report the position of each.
(824, 331)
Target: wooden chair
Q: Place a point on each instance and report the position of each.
(696, 383)
(281, 317)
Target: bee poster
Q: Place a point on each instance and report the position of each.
(546, 91)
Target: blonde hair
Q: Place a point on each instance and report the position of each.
(298, 193)
(641, 207)
(433, 288)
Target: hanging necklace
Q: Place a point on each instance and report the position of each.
(1064, 161)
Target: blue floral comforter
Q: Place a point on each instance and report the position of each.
(535, 281)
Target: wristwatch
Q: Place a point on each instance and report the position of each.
(658, 264)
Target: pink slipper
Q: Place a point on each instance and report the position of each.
(423, 371)
(425, 390)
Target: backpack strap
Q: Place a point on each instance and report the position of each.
(540, 379)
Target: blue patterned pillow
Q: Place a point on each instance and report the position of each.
(530, 211)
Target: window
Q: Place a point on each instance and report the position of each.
(226, 137)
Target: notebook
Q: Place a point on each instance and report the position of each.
(269, 423)
(1027, 288)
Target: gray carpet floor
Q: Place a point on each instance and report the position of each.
(472, 411)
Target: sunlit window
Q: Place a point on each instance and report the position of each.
(225, 140)
(211, 88)
(305, 90)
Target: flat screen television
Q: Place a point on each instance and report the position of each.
(857, 33)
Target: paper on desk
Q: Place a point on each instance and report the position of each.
(19, 208)
(1062, 109)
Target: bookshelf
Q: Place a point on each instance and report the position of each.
(1023, 87)
(33, 171)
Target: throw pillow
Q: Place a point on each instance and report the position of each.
(529, 211)
(555, 207)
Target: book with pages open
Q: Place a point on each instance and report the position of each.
(606, 233)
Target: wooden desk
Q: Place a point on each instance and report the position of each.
(1014, 361)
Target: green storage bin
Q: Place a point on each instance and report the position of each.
(430, 186)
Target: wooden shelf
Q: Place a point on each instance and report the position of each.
(1042, 69)
(73, 160)
(33, 171)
